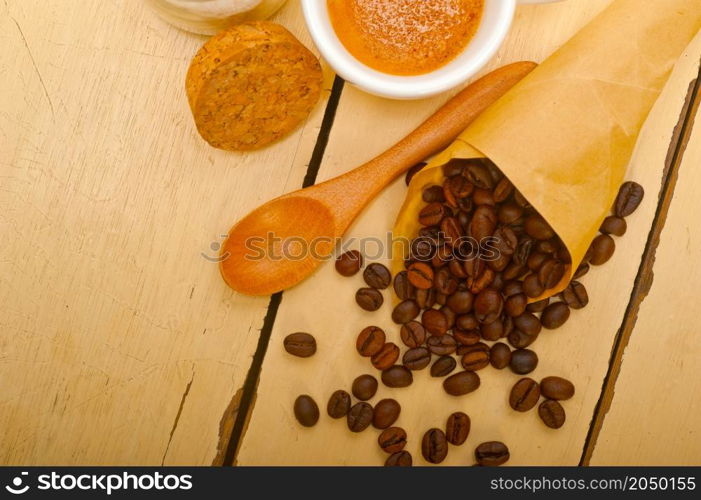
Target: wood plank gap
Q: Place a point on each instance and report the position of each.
(645, 276)
(251, 383)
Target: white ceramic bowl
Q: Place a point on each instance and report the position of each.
(495, 24)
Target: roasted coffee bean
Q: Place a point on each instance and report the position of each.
(397, 376)
(500, 263)
(524, 395)
(442, 345)
(364, 387)
(433, 194)
(575, 295)
(493, 331)
(503, 190)
(434, 446)
(467, 337)
(528, 323)
(339, 404)
(516, 305)
(300, 344)
(449, 315)
(385, 413)
(550, 273)
(413, 171)
(306, 411)
(555, 315)
(491, 454)
(461, 383)
(536, 260)
(377, 276)
(413, 334)
(425, 298)
(417, 358)
(452, 230)
(459, 186)
(359, 417)
(443, 366)
(537, 228)
(405, 311)
(532, 286)
(392, 440)
(401, 459)
(519, 339)
(466, 322)
(564, 255)
(475, 357)
(435, 322)
(629, 197)
(484, 222)
(514, 271)
(552, 414)
(422, 247)
(457, 269)
(523, 361)
(402, 287)
(349, 263)
(478, 175)
(474, 266)
(432, 214)
(420, 275)
(444, 282)
(508, 326)
(480, 282)
(520, 199)
(602, 248)
(498, 282)
(511, 288)
(386, 356)
(506, 241)
(457, 428)
(556, 388)
(369, 299)
(500, 356)
(460, 302)
(483, 197)
(614, 225)
(523, 251)
(370, 341)
(550, 246)
(509, 213)
(536, 307)
(488, 306)
(454, 167)
(581, 271)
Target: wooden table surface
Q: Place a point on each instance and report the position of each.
(120, 343)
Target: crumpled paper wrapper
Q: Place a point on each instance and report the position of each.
(564, 134)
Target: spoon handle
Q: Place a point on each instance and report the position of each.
(429, 138)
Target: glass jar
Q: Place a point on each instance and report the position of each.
(208, 17)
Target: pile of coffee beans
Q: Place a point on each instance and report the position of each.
(469, 296)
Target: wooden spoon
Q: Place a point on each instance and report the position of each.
(283, 241)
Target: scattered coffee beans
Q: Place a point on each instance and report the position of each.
(401, 459)
(364, 387)
(555, 315)
(491, 454)
(443, 366)
(461, 383)
(349, 263)
(434, 446)
(575, 295)
(386, 413)
(629, 198)
(552, 413)
(417, 358)
(359, 417)
(397, 376)
(443, 345)
(306, 411)
(614, 225)
(370, 341)
(377, 276)
(392, 440)
(386, 356)
(523, 361)
(500, 356)
(405, 311)
(524, 395)
(369, 299)
(602, 249)
(556, 388)
(300, 344)
(413, 334)
(339, 404)
(475, 357)
(457, 428)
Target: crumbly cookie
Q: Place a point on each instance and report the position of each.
(251, 85)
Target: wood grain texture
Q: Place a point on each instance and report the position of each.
(650, 415)
(119, 342)
(579, 351)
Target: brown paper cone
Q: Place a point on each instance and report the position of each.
(565, 134)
